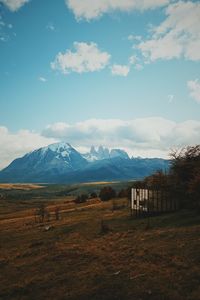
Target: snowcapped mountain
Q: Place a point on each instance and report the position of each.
(104, 153)
(60, 154)
(44, 164)
(61, 163)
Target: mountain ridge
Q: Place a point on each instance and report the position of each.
(61, 163)
(104, 153)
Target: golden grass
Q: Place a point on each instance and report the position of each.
(74, 260)
(19, 186)
(99, 183)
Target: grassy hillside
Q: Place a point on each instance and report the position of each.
(72, 258)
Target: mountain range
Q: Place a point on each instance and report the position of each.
(61, 163)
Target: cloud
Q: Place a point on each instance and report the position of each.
(194, 87)
(15, 145)
(136, 62)
(147, 137)
(5, 29)
(91, 9)
(43, 79)
(120, 70)
(14, 5)
(132, 37)
(51, 27)
(87, 57)
(177, 36)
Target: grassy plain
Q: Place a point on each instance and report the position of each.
(71, 258)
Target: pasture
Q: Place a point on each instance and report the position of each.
(74, 258)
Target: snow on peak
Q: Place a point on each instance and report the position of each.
(104, 153)
(60, 147)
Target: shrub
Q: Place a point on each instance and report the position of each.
(123, 193)
(107, 193)
(93, 195)
(81, 198)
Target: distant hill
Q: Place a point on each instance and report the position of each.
(61, 163)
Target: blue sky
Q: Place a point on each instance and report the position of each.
(84, 72)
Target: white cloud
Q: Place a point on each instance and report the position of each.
(85, 58)
(148, 137)
(43, 79)
(133, 59)
(120, 70)
(15, 145)
(139, 67)
(132, 37)
(91, 9)
(136, 62)
(194, 87)
(14, 5)
(5, 29)
(177, 36)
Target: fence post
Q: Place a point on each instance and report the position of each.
(132, 202)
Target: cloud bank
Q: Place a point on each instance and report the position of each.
(92, 9)
(147, 137)
(14, 145)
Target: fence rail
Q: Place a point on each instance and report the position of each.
(151, 202)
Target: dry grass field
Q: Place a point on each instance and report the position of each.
(72, 258)
(15, 186)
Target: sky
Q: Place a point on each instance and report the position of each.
(118, 73)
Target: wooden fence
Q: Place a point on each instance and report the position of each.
(151, 202)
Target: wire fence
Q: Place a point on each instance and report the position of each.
(152, 202)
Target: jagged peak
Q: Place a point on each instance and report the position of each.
(93, 150)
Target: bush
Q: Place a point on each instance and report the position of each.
(123, 193)
(81, 198)
(93, 195)
(107, 193)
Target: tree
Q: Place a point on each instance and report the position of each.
(158, 180)
(93, 195)
(107, 193)
(182, 182)
(185, 175)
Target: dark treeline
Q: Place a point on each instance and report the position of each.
(182, 179)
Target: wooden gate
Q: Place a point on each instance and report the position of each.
(151, 202)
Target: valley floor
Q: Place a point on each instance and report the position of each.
(72, 259)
